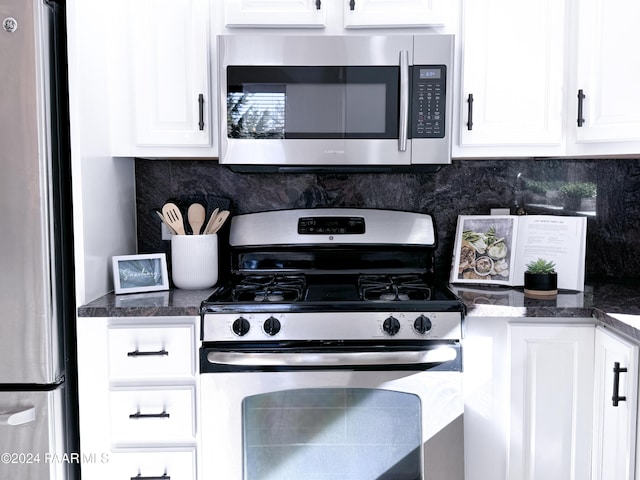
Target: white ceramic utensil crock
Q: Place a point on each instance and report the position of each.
(194, 261)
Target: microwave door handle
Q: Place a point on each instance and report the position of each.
(332, 359)
(404, 102)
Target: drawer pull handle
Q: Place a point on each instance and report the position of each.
(617, 370)
(140, 477)
(139, 415)
(137, 353)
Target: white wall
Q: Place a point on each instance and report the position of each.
(103, 186)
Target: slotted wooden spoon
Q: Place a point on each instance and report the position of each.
(196, 215)
(173, 217)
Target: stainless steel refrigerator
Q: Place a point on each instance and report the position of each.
(38, 413)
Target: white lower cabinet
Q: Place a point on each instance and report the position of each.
(615, 407)
(138, 388)
(550, 402)
(528, 398)
(176, 464)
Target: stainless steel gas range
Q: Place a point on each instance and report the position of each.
(332, 351)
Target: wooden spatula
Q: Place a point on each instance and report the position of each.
(173, 217)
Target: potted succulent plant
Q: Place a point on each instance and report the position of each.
(541, 278)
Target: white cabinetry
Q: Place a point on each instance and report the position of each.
(607, 73)
(393, 13)
(615, 407)
(321, 13)
(513, 56)
(548, 79)
(551, 385)
(277, 14)
(138, 392)
(528, 387)
(160, 80)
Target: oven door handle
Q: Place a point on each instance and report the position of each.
(436, 355)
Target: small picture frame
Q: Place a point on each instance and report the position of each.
(140, 273)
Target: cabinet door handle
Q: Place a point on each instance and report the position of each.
(470, 112)
(581, 97)
(140, 477)
(352, 5)
(318, 4)
(137, 353)
(201, 111)
(617, 370)
(138, 415)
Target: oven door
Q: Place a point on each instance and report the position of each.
(272, 416)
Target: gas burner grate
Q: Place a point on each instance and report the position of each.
(269, 288)
(392, 288)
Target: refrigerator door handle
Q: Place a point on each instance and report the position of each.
(18, 416)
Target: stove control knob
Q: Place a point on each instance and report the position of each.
(422, 324)
(271, 326)
(240, 326)
(391, 326)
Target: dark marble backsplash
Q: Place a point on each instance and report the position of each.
(466, 187)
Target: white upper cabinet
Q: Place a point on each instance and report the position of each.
(393, 13)
(512, 79)
(607, 74)
(161, 87)
(326, 13)
(276, 13)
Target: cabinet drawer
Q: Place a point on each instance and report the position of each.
(152, 415)
(151, 352)
(174, 464)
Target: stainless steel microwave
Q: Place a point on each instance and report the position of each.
(333, 102)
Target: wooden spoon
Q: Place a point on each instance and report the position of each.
(212, 218)
(173, 217)
(218, 221)
(196, 215)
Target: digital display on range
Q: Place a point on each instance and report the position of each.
(331, 225)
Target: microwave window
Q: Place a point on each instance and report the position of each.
(312, 102)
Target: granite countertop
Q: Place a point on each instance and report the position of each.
(613, 303)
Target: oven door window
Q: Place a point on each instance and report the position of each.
(269, 102)
(332, 433)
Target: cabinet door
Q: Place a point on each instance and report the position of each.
(551, 392)
(608, 73)
(393, 13)
(512, 78)
(614, 421)
(170, 44)
(276, 13)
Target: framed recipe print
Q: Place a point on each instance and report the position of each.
(140, 273)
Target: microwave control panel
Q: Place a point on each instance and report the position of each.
(428, 101)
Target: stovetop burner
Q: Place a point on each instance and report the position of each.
(269, 288)
(294, 288)
(394, 288)
(336, 291)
